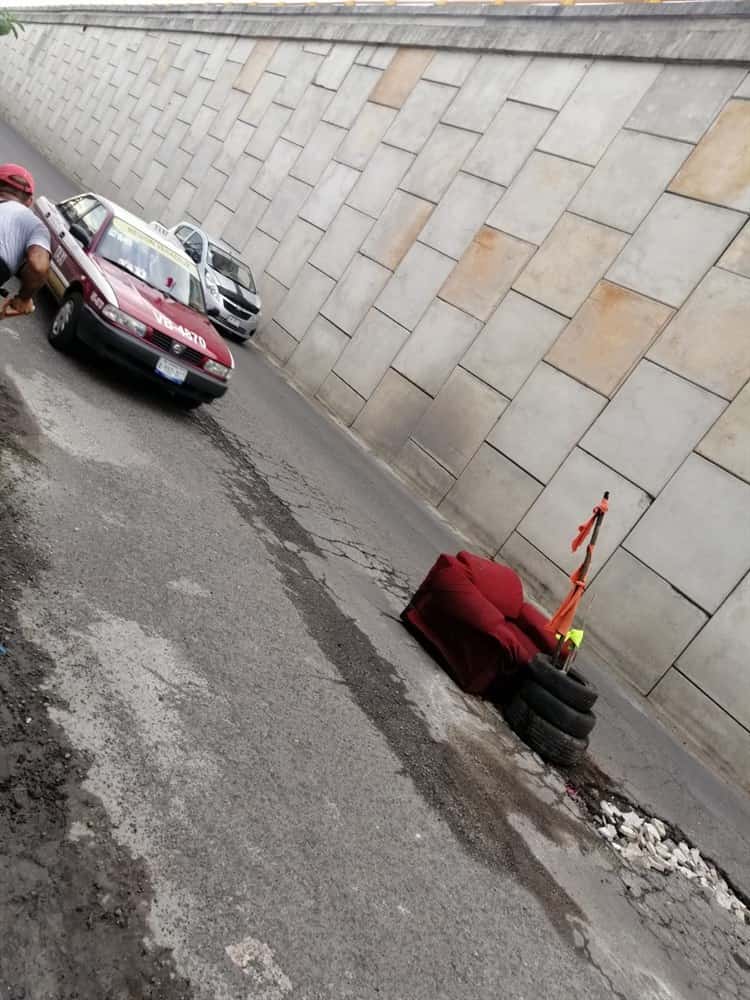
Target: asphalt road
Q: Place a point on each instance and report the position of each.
(297, 801)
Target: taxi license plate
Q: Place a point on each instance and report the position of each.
(169, 370)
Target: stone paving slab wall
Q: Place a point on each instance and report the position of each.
(521, 279)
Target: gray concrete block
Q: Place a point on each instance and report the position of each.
(568, 500)
(298, 79)
(316, 354)
(304, 301)
(351, 96)
(461, 212)
(674, 247)
(238, 183)
(436, 346)
(570, 263)
(364, 137)
(287, 55)
(458, 420)
(391, 414)
(340, 399)
(369, 353)
(260, 99)
(396, 229)
(439, 162)
(548, 81)
(598, 108)
(450, 67)
(379, 180)
(744, 88)
(307, 115)
(693, 534)
(259, 249)
(270, 177)
(244, 221)
(713, 731)
(684, 100)
(489, 499)
(276, 341)
(721, 361)
(293, 252)
(414, 285)
(545, 421)
(283, 210)
(639, 620)
(342, 240)
(419, 115)
(629, 178)
(272, 294)
(381, 58)
(728, 441)
(234, 146)
(355, 292)
(505, 146)
(272, 124)
(206, 193)
(318, 152)
(329, 195)
(716, 661)
(484, 91)
(538, 196)
(227, 116)
(429, 478)
(513, 342)
(652, 425)
(485, 272)
(336, 65)
(320, 48)
(221, 90)
(202, 160)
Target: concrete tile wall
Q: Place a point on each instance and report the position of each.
(522, 280)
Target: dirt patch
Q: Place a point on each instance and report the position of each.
(74, 904)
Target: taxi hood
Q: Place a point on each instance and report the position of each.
(158, 311)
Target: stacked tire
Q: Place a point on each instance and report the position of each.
(552, 712)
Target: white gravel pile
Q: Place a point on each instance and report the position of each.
(640, 840)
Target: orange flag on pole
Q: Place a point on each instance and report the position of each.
(562, 621)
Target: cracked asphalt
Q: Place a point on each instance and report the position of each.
(227, 770)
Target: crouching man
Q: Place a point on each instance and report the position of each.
(24, 239)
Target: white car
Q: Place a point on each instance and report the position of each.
(228, 282)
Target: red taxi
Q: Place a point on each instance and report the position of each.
(131, 293)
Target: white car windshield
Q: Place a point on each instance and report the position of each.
(152, 261)
(221, 262)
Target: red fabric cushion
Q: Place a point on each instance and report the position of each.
(499, 584)
(464, 614)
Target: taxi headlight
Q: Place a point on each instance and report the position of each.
(117, 316)
(214, 368)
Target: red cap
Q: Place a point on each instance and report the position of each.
(12, 175)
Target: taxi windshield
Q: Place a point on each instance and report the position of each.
(152, 261)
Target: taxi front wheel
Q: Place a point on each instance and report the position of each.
(62, 333)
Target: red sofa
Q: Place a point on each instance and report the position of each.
(471, 615)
